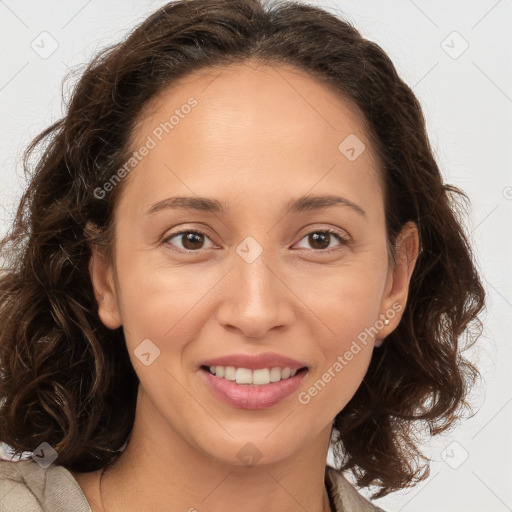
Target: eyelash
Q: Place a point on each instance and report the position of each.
(342, 239)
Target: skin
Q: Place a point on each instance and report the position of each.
(259, 137)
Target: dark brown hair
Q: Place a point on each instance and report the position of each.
(67, 379)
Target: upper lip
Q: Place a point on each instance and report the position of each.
(255, 362)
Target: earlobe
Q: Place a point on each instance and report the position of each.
(399, 277)
(102, 280)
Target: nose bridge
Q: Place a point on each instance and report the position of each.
(257, 301)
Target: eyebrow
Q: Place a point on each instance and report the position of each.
(205, 204)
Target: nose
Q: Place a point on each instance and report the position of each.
(257, 300)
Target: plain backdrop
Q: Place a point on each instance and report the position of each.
(456, 56)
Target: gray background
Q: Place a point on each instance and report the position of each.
(467, 100)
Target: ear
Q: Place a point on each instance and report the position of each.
(399, 277)
(103, 283)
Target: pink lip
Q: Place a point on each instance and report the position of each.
(250, 396)
(266, 360)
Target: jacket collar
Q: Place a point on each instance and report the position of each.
(344, 496)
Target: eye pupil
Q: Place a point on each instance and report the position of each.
(189, 238)
(314, 238)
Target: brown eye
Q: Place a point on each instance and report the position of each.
(188, 240)
(321, 240)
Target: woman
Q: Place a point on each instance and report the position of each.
(236, 251)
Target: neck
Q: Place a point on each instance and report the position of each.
(155, 475)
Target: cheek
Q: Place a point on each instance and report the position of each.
(331, 388)
(344, 353)
(161, 303)
(346, 305)
(346, 300)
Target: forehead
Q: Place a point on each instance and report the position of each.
(266, 125)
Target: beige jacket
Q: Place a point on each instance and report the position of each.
(26, 487)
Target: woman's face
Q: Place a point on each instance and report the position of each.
(245, 266)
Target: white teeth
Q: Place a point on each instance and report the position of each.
(229, 372)
(275, 374)
(258, 377)
(243, 376)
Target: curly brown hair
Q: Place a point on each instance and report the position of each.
(67, 379)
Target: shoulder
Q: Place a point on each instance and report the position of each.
(27, 487)
(345, 495)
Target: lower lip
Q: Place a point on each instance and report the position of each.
(250, 396)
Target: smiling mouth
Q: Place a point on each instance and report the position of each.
(258, 377)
